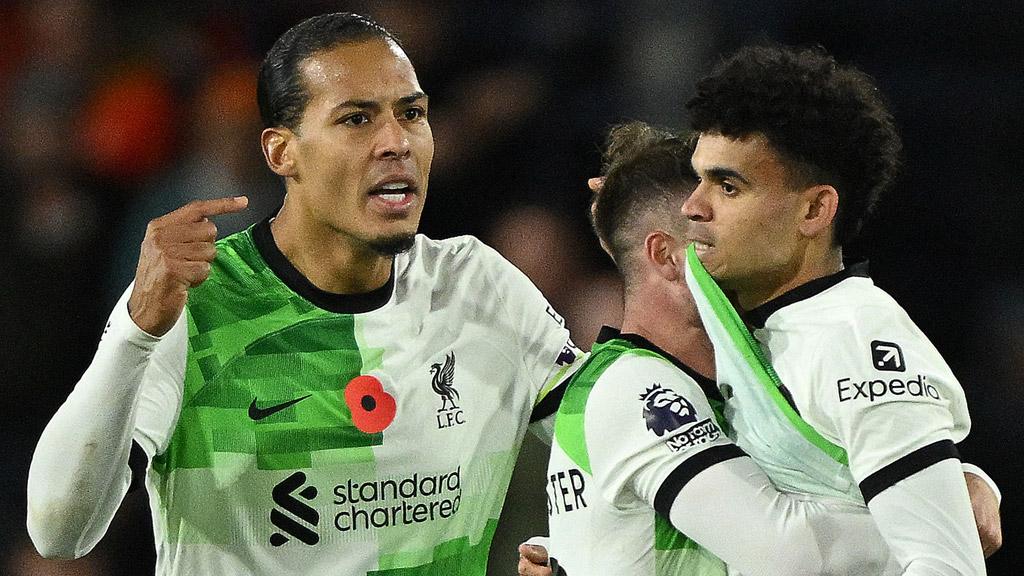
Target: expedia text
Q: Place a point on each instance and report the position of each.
(872, 390)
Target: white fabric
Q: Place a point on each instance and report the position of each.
(865, 378)
(927, 520)
(604, 522)
(630, 461)
(834, 353)
(79, 471)
(452, 295)
(822, 350)
(764, 532)
(761, 422)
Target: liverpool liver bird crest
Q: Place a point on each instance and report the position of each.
(443, 382)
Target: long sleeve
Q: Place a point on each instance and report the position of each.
(899, 427)
(707, 488)
(760, 531)
(926, 519)
(79, 472)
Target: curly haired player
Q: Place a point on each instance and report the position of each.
(793, 152)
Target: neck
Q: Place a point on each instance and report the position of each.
(331, 261)
(813, 265)
(669, 320)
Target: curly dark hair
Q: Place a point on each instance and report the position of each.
(280, 90)
(647, 171)
(828, 122)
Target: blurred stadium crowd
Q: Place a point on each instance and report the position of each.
(114, 112)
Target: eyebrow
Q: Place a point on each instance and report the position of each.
(374, 105)
(720, 173)
(413, 97)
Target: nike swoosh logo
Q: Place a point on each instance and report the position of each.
(257, 413)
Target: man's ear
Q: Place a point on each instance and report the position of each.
(821, 205)
(278, 149)
(663, 255)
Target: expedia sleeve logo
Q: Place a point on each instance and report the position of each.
(881, 390)
(887, 356)
(665, 411)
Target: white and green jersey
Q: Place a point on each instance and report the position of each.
(763, 422)
(818, 394)
(633, 427)
(292, 431)
(837, 394)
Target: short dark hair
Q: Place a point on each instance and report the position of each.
(828, 122)
(647, 170)
(280, 91)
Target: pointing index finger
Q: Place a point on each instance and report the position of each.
(199, 210)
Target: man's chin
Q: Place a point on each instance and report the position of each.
(393, 245)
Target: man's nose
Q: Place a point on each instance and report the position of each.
(696, 207)
(392, 140)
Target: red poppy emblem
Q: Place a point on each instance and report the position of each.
(372, 408)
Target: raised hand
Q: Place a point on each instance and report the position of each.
(175, 256)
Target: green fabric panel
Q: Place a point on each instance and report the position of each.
(282, 440)
(751, 350)
(452, 558)
(677, 555)
(569, 422)
(666, 537)
(250, 337)
(334, 334)
(569, 431)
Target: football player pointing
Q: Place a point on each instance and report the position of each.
(327, 392)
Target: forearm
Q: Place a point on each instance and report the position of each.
(754, 528)
(926, 519)
(79, 471)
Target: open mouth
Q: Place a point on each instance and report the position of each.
(393, 196)
(393, 191)
(699, 243)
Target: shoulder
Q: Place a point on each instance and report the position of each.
(237, 259)
(850, 309)
(865, 345)
(465, 260)
(612, 371)
(456, 251)
(455, 247)
(641, 377)
(239, 270)
(637, 363)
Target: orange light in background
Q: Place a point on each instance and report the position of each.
(127, 130)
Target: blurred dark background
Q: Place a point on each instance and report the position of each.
(114, 112)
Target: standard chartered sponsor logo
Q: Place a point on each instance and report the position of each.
(283, 495)
(414, 499)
